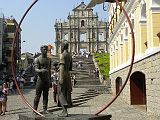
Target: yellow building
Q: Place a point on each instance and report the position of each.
(143, 87)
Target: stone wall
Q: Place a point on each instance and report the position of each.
(150, 66)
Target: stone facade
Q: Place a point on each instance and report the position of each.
(143, 86)
(150, 67)
(82, 30)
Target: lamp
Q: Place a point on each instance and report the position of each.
(95, 2)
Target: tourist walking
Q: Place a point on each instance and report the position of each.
(3, 98)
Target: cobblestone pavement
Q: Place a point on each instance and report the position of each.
(85, 101)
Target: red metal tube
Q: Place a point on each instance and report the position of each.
(132, 60)
(13, 62)
(131, 65)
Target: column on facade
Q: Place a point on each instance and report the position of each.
(140, 25)
(58, 41)
(153, 23)
(120, 47)
(114, 59)
(156, 28)
(91, 40)
(122, 36)
(111, 56)
(118, 50)
(69, 40)
(88, 37)
(104, 39)
(116, 54)
(129, 46)
(77, 40)
(136, 31)
(125, 44)
(118, 12)
(143, 37)
(125, 51)
(94, 41)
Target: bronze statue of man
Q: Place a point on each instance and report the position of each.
(42, 67)
(65, 86)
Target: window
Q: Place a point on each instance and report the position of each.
(121, 38)
(71, 34)
(126, 31)
(143, 12)
(101, 36)
(82, 23)
(93, 34)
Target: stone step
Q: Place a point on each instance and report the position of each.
(98, 88)
(83, 82)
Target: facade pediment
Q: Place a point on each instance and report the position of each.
(80, 7)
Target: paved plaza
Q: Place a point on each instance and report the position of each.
(85, 101)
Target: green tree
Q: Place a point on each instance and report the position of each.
(102, 60)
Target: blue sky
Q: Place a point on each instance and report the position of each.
(38, 27)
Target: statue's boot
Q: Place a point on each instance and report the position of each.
(35, 107)
(64, 112)
(45, 111)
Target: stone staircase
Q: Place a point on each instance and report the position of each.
(86, 79)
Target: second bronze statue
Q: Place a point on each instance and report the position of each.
(65, 85)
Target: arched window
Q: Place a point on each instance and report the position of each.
(66, 36)
(93, 34)
(82, 23)
(143, 12)
(71, 34)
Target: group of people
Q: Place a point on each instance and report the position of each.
(96, 73)
(8, 86)
(81, 54)
(79, 64)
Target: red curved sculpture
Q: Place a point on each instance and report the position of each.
(106, 106)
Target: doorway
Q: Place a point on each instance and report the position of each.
(118, 84)
(138, 88)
